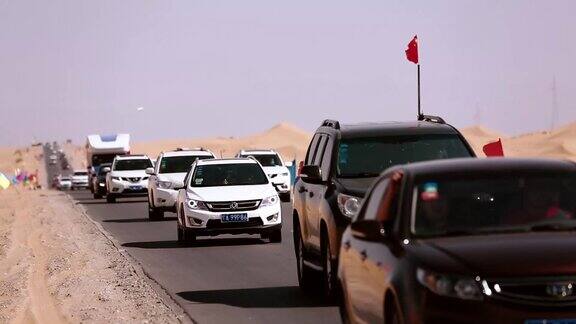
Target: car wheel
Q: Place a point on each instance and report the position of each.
(305, 273)
(97, 196)
(188, 236)
(285, 197)
(275, 236)
(328, 270)
(110, 199)
(154, 214)
(180, 234)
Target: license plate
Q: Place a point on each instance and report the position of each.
(135, 187)
(551, 321)
(234, 218)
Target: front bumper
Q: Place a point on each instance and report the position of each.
(165, 198)
(261, 220)
(125, 188)
(80, 184)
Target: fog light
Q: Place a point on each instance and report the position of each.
(272, 218)
(194, 220)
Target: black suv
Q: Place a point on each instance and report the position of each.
(340, 165)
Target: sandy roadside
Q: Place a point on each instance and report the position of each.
(56, 266)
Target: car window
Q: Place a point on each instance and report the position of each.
(266, 160)
(320, 151)
(327, 157)
(312, 150)
(233, 174)
(374, 201)
(132, 164)
(368, 157)
(179, 164)
(81, 173)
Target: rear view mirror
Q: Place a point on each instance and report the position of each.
(311, 174)
(368, 230)
(106, 169)
(149, 171)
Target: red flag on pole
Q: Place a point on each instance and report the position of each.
(412, 50)
(493, 149)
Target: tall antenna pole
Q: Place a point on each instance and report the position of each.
(554, 120)
(419, 105)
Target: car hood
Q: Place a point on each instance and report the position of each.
(130, 173)
(172, 177)
(231, 193)
(355, 186)
(500, 255)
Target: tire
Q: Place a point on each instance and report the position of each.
(180, 234)
(97, 195)
(154, 214)
(275, 236)
(329, 284)
(110, 199)
(305, 274)
(285, 197)
(188, 237)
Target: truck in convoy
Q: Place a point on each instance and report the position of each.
(102, 149)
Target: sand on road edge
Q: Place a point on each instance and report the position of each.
(57, 266)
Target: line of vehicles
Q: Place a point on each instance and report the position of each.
(397, 222)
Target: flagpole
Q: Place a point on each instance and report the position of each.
(419, 107)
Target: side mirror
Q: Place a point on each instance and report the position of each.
(179, 185)
(368, 230)
(288, 164)
(150, 171)
(311, 174)
(106, 169)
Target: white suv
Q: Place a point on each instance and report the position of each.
(127, 177)
(275, 170)
(169, 172)
(230, 196)
(79, 179)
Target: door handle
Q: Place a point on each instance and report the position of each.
(302, 189)
(347, 245)
(311, 194)
(363, 255)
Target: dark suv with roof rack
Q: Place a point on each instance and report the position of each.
(341, 163)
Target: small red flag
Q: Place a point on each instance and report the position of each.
(494, 149)
(412, 50)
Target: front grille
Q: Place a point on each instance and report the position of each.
(252, 222)
(537, 291)
(131, 179)
(221, 206)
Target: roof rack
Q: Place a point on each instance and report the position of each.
(432, 119)
(179, 149)
(330, 123)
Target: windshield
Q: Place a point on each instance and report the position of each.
(176, 164)
(228, 175)
(103, 158)
(266, 160)
(494, 203)
(81, 173)
(132, 164)
(367, 157)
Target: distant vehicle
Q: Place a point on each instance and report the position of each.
(103, 149)
(230, 196)
(53, 159)
(127, 177)
(168, 173)
(64, 183)
(466, 241)
(275, 169)
(99, 181)
(341, 163)
(79, 179)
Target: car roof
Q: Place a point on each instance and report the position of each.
(226, 161)
(132, 157)
(187, 153)
(258, 152)
(468, 166)
(394, 128)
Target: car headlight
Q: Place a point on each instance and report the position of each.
(165, 184)
(196, 204)
(452, 286)
(349, 205)
(116, 178)
(269, 201)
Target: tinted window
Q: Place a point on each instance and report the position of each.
(367, 157)
(312, 149)
(81, 173)
(266, 159)
(176, 164)
(132, 164)
(228, 175)
(372, 205)
(320, 150)
(493, 203)
(103, 158)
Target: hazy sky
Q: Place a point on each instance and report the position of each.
(230, 68)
